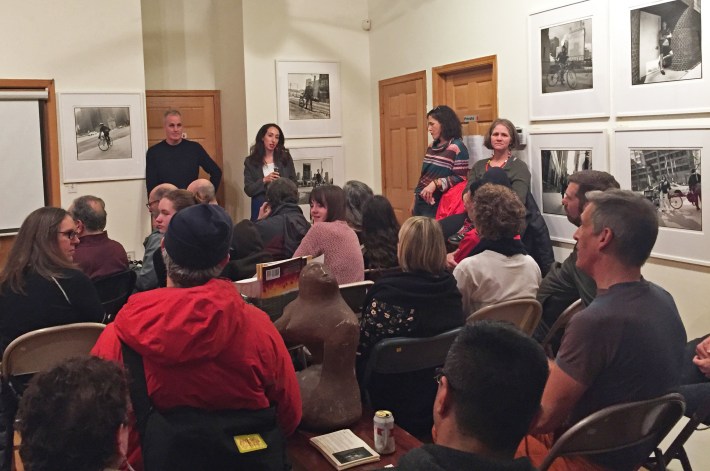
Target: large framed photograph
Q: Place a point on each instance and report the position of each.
(658, 58)
(308, 98)
(664, 165)
(554, 157)
(102, 136)
(569, 65)
(316, 166)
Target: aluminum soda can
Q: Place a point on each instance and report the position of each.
(384, 432)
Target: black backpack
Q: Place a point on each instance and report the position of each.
(187, 438)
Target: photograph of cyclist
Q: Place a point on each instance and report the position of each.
(664, 176)
(308, 96)
(102, 132)
(567, 57)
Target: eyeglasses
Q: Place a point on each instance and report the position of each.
(151, 203)
(70, 234)
(439, 373)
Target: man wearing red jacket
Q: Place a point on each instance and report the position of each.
(202, 345)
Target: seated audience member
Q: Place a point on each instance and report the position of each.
(467, 235)
(499, 268)
(39, 285)
(379, 233)
(331, 237)
(627, 345)
(357, 194)
(566, 283)
(202, 345)
(695, 376)
(146, 278)
(421, 301)
(74, 417)
(168, 206)
(96, 254)
(489, 392)
(536, 236)
(245, 252)
(281, 223)
(203, 190)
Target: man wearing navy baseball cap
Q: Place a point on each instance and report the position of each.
(202, 345)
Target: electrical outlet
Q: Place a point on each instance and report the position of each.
(71, 188)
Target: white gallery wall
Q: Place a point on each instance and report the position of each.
(413, 35)
(85, 46)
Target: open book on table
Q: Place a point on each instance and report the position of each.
(344, 449)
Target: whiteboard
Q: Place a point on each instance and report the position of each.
(21, 175)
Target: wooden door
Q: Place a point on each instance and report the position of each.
(470, 89)
(403, 138)
(201, 121)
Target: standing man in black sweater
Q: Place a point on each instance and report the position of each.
(176, 160)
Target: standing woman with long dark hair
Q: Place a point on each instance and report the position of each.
(445, 163)
(268, 160)
(40, 286)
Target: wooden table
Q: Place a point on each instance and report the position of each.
(305, 457)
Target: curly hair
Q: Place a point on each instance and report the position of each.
(379, 233)
(449, 121)
(357, 194)
(498, 213)
(257, 152)
(69, 416)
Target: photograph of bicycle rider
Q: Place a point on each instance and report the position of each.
(567, 56)
(102, 132)
(666, 42)
(308, 96)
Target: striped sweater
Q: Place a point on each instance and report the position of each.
(447, 161)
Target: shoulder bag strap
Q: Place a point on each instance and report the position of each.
(142, 406)
(62, 290)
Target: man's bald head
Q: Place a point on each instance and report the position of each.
(203, 190)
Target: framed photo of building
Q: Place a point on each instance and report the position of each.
(569, 62)
(554, 157)
(316, 166)
(102, 136)
(665, 166)
(658, 58)
(308, 98)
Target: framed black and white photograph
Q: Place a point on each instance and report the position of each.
(102, 136)
(659, 50)
(308, 98)
(665, 166)
(316, 166)
(569, 62)
(554, 157)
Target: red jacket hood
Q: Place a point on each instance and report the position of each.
(180, 325)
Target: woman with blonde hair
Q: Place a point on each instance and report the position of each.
(421, 301)
(499, 268)
(40, 286)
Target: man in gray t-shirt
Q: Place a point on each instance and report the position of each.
(628, 344)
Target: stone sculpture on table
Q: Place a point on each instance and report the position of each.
(320, 320)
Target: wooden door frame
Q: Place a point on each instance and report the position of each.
(439, 74)
(50, 147)
(50, 134)
(421, 75)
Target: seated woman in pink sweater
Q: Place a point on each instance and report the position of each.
(331, 236)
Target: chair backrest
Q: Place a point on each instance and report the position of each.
(114, 291)
(562, 322)
(374, 274)
(41, 349)
(354, 294)
(523, 313)
(404, 355)
(641, 424)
